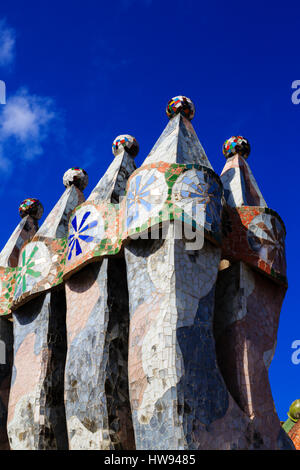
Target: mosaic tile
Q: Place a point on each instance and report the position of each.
(96, 397)
(240, 186)
(236, 144)
(178, 144)
(32, 207)
(292, 426)
(36, 416)
(250, 290)
(135, 340)
(77, 177)
(244, 299)
(176, 395)
(30, 211)
(112, 185)
(180, 105)
(257, 237)
(125, 142)
(24, 231)
(40, 335)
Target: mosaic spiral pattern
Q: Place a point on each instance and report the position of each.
(182, 105)
(32, 207)
(266, 236)
(34, 264)
(200, 196)
(146, 195)
(236, 144)
(125, 142)
(86, 227)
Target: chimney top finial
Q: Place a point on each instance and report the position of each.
(125, 142)
(236, 144)
(76, 176)
(294, 411)
(180, 105)
(32, 207)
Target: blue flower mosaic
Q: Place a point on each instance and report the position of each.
(138, 198)
(206, 191)
(80, 232)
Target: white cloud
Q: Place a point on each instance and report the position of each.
(25, 124)
(7, 44)
(26, 120)
(26, 117)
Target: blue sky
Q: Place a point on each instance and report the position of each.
(79, 73)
